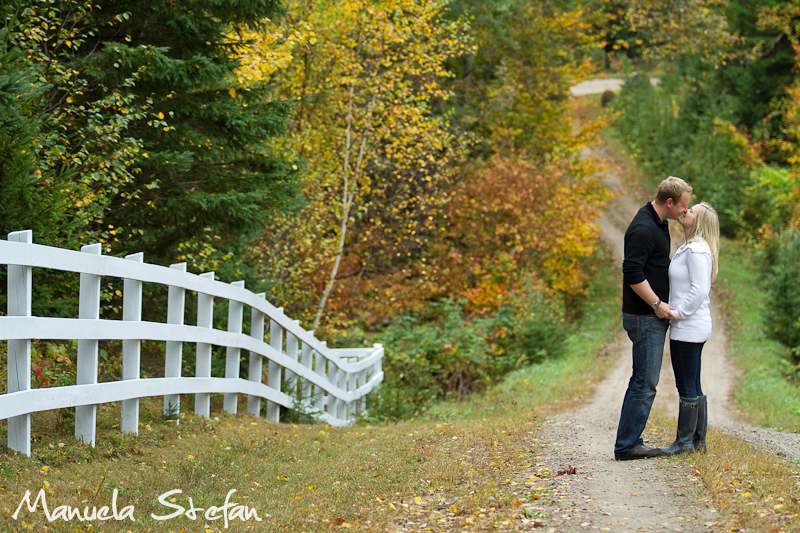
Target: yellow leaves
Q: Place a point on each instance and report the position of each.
(232, 92)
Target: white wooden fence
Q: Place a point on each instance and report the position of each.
(334, 382)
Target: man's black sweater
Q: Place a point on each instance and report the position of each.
(647, 248)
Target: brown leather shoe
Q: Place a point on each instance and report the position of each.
(642, 452)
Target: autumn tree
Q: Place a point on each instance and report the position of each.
(377, 157)
(511, 90)
(542, 217)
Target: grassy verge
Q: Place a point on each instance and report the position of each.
(455, 468)
(763, 393)
(757, 490)
(754, 489)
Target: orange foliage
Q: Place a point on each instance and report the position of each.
(540, 217)
(509, 216)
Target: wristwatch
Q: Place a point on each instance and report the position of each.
(656, 304)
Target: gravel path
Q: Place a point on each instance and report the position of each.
(647, 495)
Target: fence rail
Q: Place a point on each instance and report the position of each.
(331, 383)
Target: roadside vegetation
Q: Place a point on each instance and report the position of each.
(433, 200)
(455, 465)
(767, 391)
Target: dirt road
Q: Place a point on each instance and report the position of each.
(647, 495)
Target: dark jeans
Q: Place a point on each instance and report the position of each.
(648, 333)
(686, 365)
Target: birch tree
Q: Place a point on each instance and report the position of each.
(377, 156)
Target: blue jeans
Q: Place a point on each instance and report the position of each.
(686, 365)
(648, 333)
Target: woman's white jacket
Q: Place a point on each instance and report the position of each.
(689, 287)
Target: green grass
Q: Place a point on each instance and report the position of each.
(455, 468)
(765, 396)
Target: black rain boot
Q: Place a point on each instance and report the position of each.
(699, 438)
(687, 423)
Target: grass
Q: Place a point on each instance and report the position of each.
(757, 490)
(765, 396)
(754, 489)
(454, 468)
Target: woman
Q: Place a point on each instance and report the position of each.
(693, 268)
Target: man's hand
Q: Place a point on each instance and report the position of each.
(645, 292)
(666, 311)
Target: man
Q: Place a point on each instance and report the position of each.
(645, 312)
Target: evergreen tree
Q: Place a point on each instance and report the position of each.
(758, 82)
(206, 179)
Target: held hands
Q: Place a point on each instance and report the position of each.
(665, 310)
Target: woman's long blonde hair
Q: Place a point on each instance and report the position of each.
(706, 227)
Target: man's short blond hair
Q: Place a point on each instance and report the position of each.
(672, 187)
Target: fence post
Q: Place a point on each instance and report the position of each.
(306, 361)
(319, 392)
(274, 379)
(333, 378)
(173, 360)
(20, 280)
(254, 372)
(232, 355)
(350, 385)
(205, 319)
(292, 350)
(131, 349)
(341, 405)
(88, 309)
(361, 402)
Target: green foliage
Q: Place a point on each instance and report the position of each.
(207, 179)
(756, 84)
(783, 311)
(124, 124)
(61, 162)
(770, 199)
(681, 128)
(445, 353)
(765, 395)
(533, 326)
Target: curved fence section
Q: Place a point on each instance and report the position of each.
(275, 361)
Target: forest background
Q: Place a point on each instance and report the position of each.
(410, 172)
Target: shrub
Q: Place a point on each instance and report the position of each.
(783, 312)
(446, 353)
